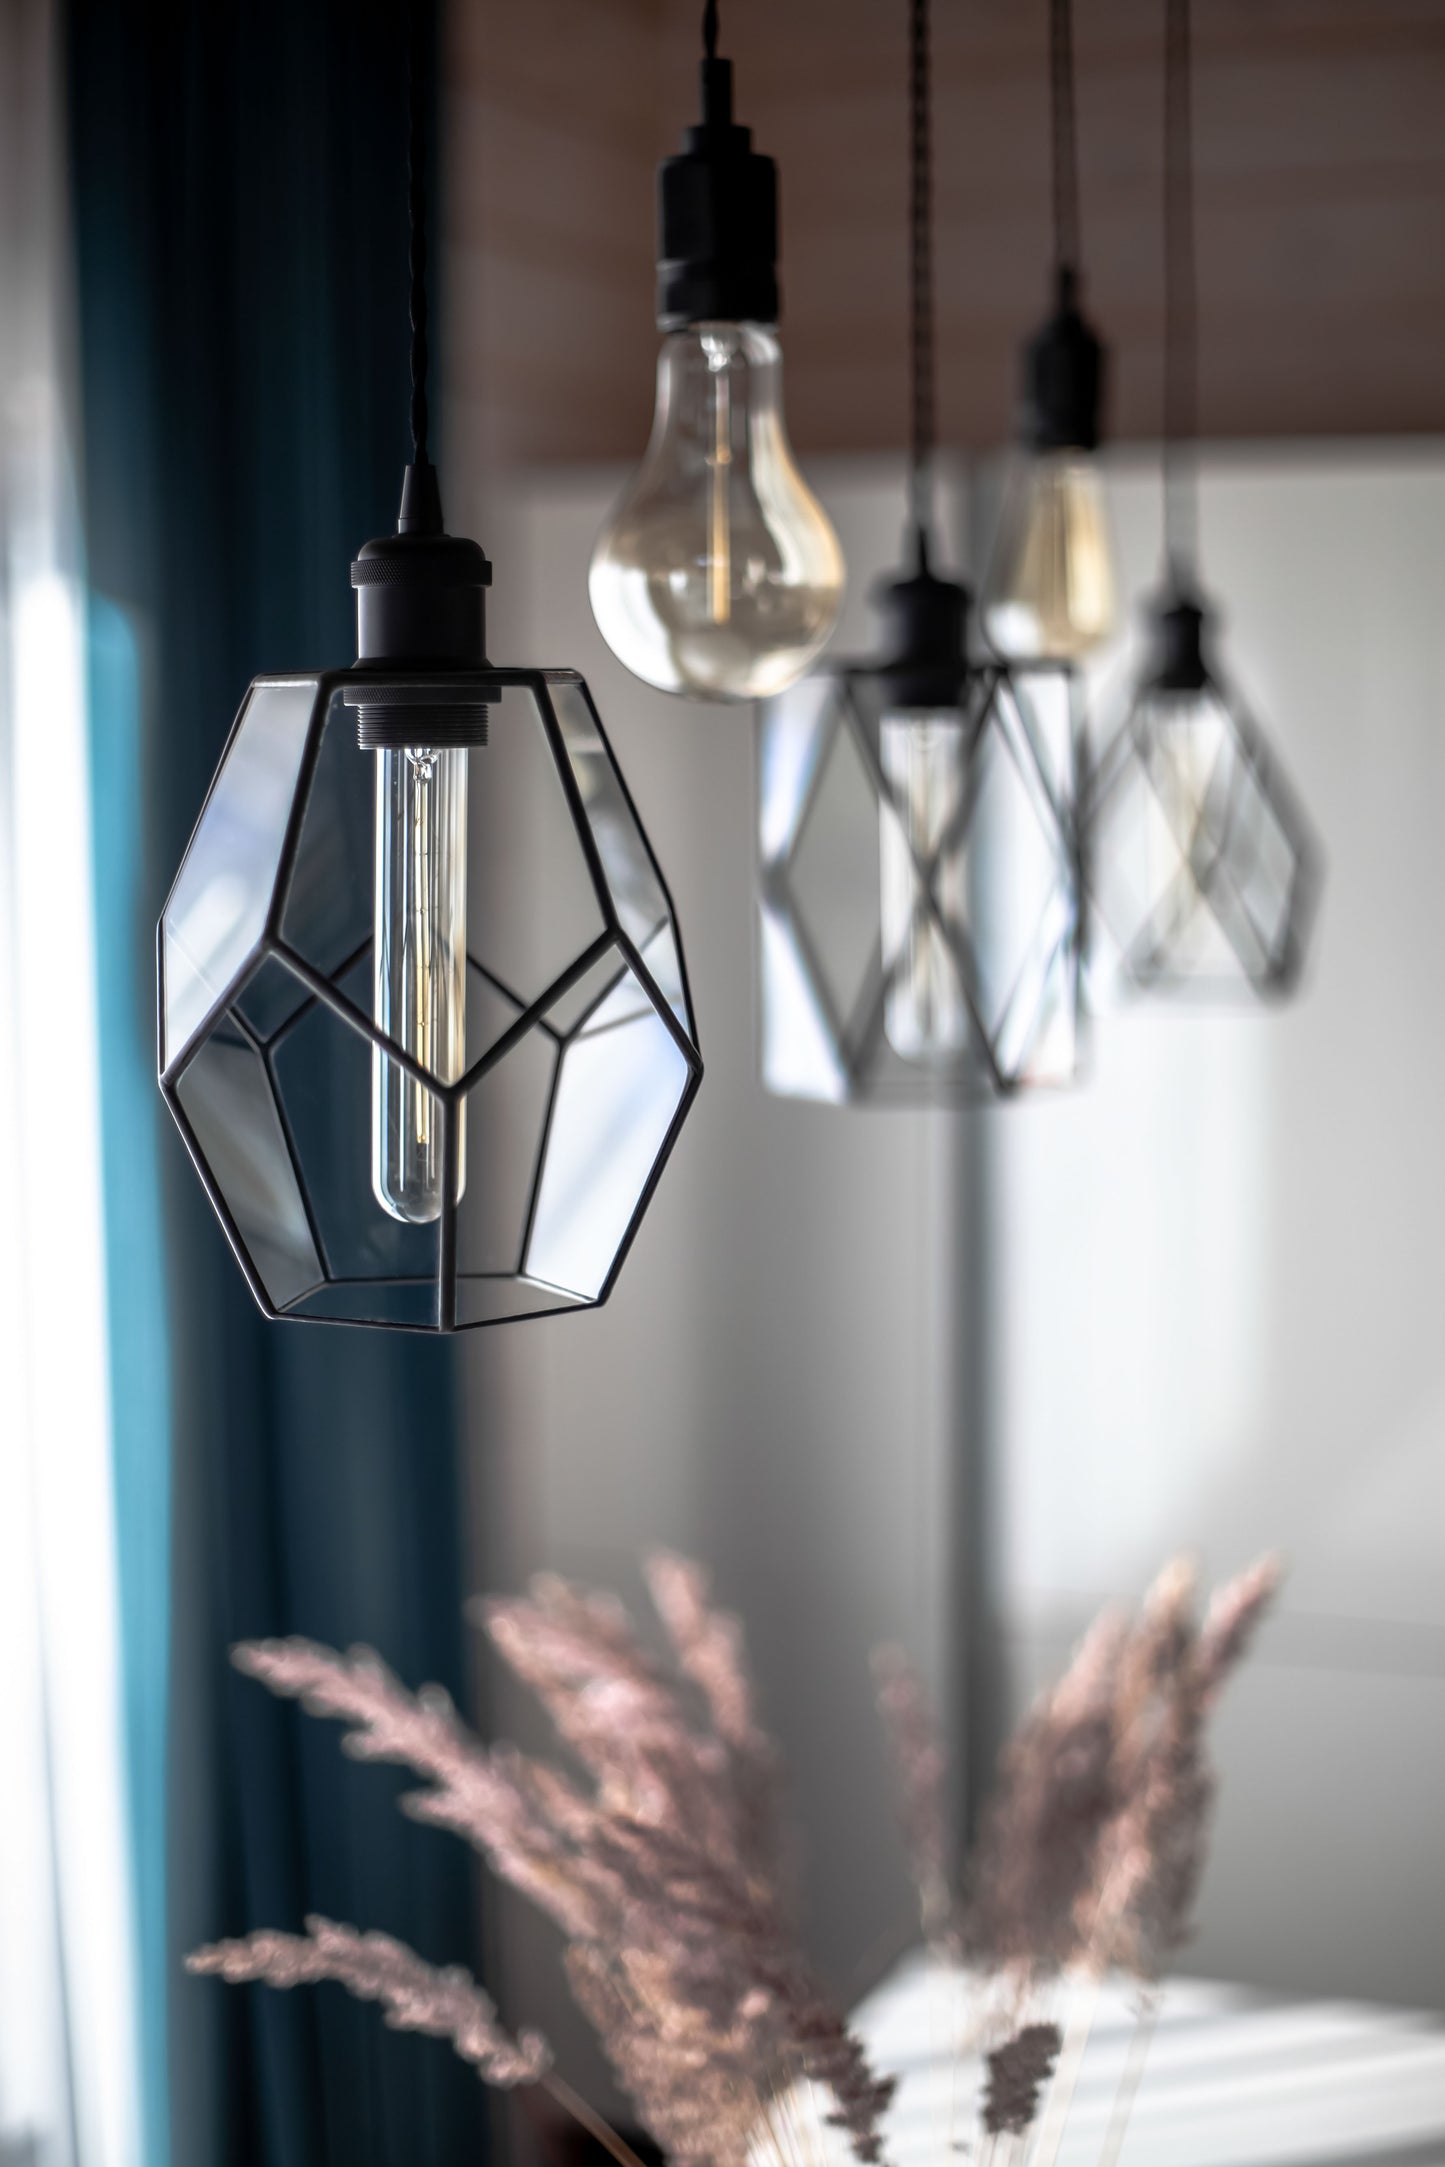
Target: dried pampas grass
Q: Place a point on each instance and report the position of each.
(660, 1864)
(657, 1848)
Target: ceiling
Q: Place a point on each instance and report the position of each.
(1320, 144)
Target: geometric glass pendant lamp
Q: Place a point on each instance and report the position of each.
(1202, 868)
(919, 880)
(424, 1019)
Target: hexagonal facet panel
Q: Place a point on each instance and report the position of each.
(1202, 870)
(919, 916)
(216, 913)
(453, 1045)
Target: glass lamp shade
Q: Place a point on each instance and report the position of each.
(919, 888)
(424, 1017)
(1201, 866)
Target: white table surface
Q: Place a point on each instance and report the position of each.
(1231, 2076)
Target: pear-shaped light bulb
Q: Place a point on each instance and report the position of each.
(719, 573)
(1050, 592)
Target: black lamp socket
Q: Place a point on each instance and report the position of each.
(717, 220)
(420, 604)
(1063, 378)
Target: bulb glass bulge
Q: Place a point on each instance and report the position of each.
(420, 971)
(922, 755)
(719, 573)
(1050, 593)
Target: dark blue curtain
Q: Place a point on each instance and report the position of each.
(238, 193)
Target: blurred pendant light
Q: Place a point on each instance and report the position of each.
(718, 574)
(919, 905)
(429, 1079)
(1050, 589)
(1203, 870)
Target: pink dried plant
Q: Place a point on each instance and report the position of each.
(1093, 1842)
(1091, 1848)
(1153, 1849)
(658, 1862)
(1015, 2075)
(922, 1775)
(415, 1995)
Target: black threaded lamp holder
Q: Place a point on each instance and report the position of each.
(1179, 631)
(1063, 377)
(924, 639)
(420, 604)
(717, 205)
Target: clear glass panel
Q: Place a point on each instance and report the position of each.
(506, 1120)
(573, 1008)
(532, 908)
(922, 886)
(833, 872)
(329, 905)
(217, 910)
(793, 733)
(1192, 867)
(407, 1302)
(323, 1068)
(490, 1299)
(1018, 879)
(662, 961)
(1264, 865)
(226, 1095)
(618, 1091)
(802, 1056)
(627, 863)
(270, 1001)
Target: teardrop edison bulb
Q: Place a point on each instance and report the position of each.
(719, 573)
(1050, 593)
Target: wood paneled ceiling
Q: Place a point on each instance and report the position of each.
(1320, 142)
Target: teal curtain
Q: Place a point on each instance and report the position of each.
(238, 195)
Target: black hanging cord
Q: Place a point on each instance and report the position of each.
(709, 30)
(921, 392)
(1063, 138)
(1181, 327)
(416, 200)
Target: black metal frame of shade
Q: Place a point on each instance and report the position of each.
(483, 685)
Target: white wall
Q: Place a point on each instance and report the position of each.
(1220, 1269)
(1211, 1282)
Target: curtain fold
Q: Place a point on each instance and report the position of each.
(238, 199)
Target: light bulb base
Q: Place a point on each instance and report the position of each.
(1063, 377)
(924, 639)
(717, 220)
(420, 604)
